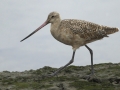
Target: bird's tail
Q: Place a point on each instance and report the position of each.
(110, 30)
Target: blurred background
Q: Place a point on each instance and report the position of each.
(20, 18)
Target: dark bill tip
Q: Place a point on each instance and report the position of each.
(44, 24)
(28, 36)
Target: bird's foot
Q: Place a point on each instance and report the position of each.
(51, 75)
(92, 78)
(48, 75)
(55, 73)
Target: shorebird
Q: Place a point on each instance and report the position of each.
(75, 33)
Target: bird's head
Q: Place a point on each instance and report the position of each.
(52, 17)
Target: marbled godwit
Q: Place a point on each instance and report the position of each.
(75, 33)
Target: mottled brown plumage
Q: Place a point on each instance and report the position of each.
(86, 30)
(75, 33)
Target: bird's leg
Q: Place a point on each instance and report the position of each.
(92, 77)
(92, 69)
(91, 53)
(61, 68)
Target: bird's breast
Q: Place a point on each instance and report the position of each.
(63, 36)
(67, 37)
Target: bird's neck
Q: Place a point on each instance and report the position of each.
(55, 28)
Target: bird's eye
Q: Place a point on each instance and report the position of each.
(52, 16)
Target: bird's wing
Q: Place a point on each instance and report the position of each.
(86, 30)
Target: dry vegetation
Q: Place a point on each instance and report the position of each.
(71, 78)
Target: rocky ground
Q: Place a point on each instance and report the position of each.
(71, 78)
